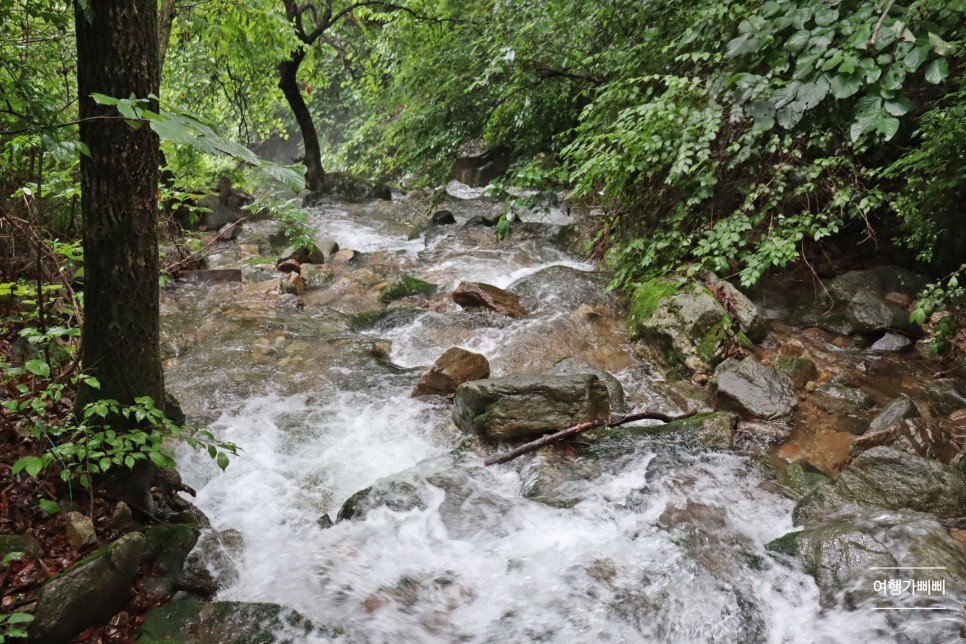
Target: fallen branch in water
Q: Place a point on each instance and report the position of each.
(582, 427)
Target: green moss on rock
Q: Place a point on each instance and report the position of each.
(648, 297)
(404, 286)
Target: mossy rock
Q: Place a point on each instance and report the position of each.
(799, 480)
(197, 622)
(20, 543)
(680, 326)
(714, 430)
(405, 286)
(799, 369)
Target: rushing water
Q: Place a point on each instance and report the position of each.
(657, 542)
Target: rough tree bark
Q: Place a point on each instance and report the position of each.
(117, 55)
(166, 16)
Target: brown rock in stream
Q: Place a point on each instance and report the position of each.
(487, 296)
(450, 370)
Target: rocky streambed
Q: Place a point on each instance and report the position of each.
(822, 470)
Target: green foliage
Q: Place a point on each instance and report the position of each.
(13, 625)
(941, 309)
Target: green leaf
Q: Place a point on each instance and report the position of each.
(887, 126)
(31, 464)
(940, 46)
(49, 507)
(798, 40)
(20, 618)
(916, 57)
(222, 461)
(843, 86)
(898, 106)
(811, 94)
(38, 367)
(937, 71)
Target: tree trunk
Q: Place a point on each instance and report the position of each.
(288, 83)
(117, 55)
(166, 15)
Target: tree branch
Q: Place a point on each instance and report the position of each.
(878, 25)
(577, 429)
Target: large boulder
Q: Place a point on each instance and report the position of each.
(477, 295)
(539, 291)
(450, 370)
(873, 301)
(614, 388)
(680, 326)
(87, 593)
(396, 495)
(518, 406)
(755, 390)
(887, 478)
(839, 557)
(477, 165)
(714, 430)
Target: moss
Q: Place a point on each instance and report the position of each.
(648, 297)
(405, 286)
(709, 346)
(786, 545)
(258, 260)
(367, 319)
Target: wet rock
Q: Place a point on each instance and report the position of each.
(898, 410)
(839, 557)
(442, 218)
(946, 395)
(289, 266)
(838, 400)
(883, 477)
(405, 286)
(167, 546)
(345, 256)
(293, 284)
(679, 326)
(585, 313)
(681, 396)
(343, 187)
(480, 221)
(713, 430)
(913, 436)
(699, 515)
(798, 368)
(80, 531)
(20, 543)
(310, 254)
(470, 295)
(324, 522)
(755, 435)
(316, 275)
(801, 478)
(742, 309)
(615, 390)
(212, 563)
(931, 546)
(518, 406)
(450, 370)
(892, 343)
(554, 480)
(229, 232)
(755, 390)
(540, 291)
(87, 593)
(476, 165)
(195, 622)
(398, 496)
(850, 408)
(870, 301)
(213, 276)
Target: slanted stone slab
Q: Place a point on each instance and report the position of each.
(486, 296)
(755, 390)
(196, 622)
(518, 406)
